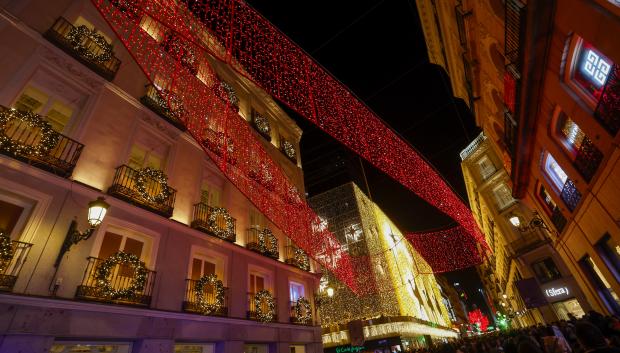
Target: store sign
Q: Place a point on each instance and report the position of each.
(556, 292)
(349, 349)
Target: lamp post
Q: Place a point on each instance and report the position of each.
(535, 222)
(97, 210)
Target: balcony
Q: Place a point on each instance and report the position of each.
(143, 191)
(214, 221)
(166, 104)
(514, 32)
(588, 159)
(473, 146)
(121, 277)
(558, 219)
(261, 125)
(296, 257)
(182, 51)
(86, 46)
(252, 313)
(214, 141)
(303, 319)
(510, 133)
(528, 242)
(33, 141)
(263, 242)
(12, 265)
(288, 149)
(608, 108)
(191, 302)
(570, 195)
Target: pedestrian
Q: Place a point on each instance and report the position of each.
(592, 339)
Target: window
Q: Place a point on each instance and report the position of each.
(600, 283)
(152, 28)
(210, 195)
(546, 271)
(257, 220)
(590, 68)
(116, 239)
(141, 157)
(55, 110)
(569, 132)
(257, 282)
(609, 250)
(545, 197)
(148, 150)
(486, 167)
(201, 267)
(503, 196)
(11, 216)
(296, 290)
(555, 172)
(82, 21)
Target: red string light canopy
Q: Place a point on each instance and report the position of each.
(173, 43)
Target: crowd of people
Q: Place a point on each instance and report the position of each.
(593, 333)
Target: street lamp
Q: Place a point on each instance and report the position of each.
(535, 222)
(97, 210)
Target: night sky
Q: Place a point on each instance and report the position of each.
(377, 49)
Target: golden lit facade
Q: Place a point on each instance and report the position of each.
(556, 140)
(387, 269)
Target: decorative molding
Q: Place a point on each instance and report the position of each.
(70, 65)
(60, 304)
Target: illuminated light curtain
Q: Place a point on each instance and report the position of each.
(445, 250)
(233, 32)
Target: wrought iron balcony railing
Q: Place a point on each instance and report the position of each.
(608, 108)
(514, 31)
(191, 304)
(570, 195)
(84, 47)
(121, 277)
(296, 257)
(165, 104)
(59, 159)
(214, 221)
(143, 191)
(510, 133)
(588, 159)
(558, 219)
(252, 309)
(182, 51)
(10, 267)
(262, 241)
(288, 149)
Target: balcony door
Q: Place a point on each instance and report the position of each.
(257, 283)
(113, 243)
(202, 267)
(56, 110)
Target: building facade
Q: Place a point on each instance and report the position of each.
(180, 256)
(398, 303)
(521, 245)
(545, 81)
